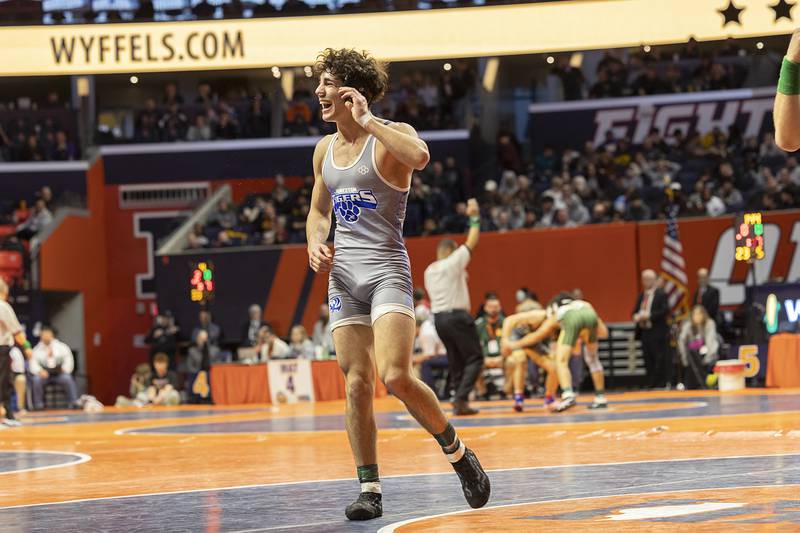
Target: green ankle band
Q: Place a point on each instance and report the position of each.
(789, 81)
(367, 473)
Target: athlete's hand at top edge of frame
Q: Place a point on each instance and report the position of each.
(472, 208)
(320, 258)
(357, 104)
(793, 52)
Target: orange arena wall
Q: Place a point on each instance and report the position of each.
(102, 256)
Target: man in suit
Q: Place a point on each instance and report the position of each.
(650, 316)
(706, 295)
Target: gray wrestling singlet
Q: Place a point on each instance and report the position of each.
(371, 273)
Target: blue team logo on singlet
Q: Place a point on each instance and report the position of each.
(335, 304)
(349, 202)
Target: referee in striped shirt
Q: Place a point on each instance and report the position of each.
(446, 283)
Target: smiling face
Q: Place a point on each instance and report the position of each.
(331, 104)
(351, 68)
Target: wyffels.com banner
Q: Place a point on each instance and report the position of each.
(483, 31)
(571, 124)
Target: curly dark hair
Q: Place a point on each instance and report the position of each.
(562, 298)
(355, 69)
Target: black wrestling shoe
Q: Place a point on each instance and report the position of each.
(366, 507)
(474, 481)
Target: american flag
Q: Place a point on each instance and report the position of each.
(673, 267)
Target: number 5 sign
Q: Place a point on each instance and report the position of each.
(755, 356)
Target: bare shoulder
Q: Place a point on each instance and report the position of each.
(320, 149)
(404, 128)
(322, 145)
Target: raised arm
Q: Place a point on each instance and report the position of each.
(318, 222)
(787, 100)
(474, 224)
(399, 139)
(402, 142)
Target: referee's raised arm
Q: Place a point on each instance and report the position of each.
(474, 214)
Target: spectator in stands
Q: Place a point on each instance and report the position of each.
(300, 345)
(649, 83)
(270, 346)
(173, 124)
(138, 389)
(604, 87)
(490, 327)
(650, 315)
(52, 363)
(205, 96)
(46, 195)
(163, 337)
(547, 218)
(572, 79)
(224, 217)
(576, 211)
(163, 386)
(731, 196)
(201, 355)
(698, 345)
(527, 300)
(508, 152)
(171, 95)
(321, 335)
(227, 127)
(200, 130)
(197, 238)
(31, 150)
(214, 331)
(147, 122)
(636, 209)
(430, 354)
(37, 221)
(250, 329)
(63, 150)
(457, 221)
(714, 205)
(600, 213)
(258, 117)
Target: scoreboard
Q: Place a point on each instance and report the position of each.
(201, 284)
(749, 237)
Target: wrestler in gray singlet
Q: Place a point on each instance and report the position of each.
(371, 273)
